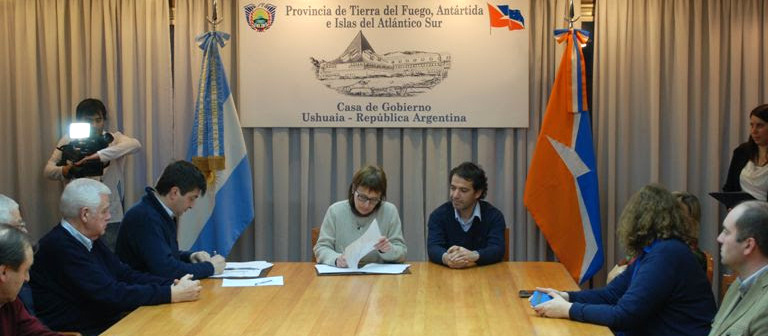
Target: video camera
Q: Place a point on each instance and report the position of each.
(84, 143)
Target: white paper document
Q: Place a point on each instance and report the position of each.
(248, 269)
(363, 245)
(367, 269)
(269, 281)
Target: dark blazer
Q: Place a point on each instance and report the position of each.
(738, 161)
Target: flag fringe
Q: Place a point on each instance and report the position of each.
(209, 165)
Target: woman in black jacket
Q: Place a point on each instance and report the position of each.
(748, 171)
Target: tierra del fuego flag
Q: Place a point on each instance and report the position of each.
(561, 191)
(501, 16)
(218, 149)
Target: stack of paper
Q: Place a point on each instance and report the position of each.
(367, 269)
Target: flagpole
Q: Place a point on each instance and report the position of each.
(569, 12)
(214, 20)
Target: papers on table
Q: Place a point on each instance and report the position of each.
(248, 269)
(367, 269)
(270, 281)
(363, 245)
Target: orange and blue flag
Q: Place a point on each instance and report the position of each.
(561, 191)
(501, 16)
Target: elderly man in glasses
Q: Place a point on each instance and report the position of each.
(347, 220)
(466, 231)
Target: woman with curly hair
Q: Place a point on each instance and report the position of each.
(691, 210)
(664, 292)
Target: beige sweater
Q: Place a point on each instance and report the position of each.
(341, 227)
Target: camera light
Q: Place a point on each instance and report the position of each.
(79, 130)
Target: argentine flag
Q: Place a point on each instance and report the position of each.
(218, 149)
(561, 191)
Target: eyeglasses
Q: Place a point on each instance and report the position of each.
(362, 198)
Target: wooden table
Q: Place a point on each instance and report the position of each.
(431, 300)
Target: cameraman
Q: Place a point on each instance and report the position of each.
(113, 156)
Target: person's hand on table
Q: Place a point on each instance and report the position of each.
(200, 256)
(558, 307)
(553, 292)
(341, 262)
(185, 289)
(218, 264)
(459, 257)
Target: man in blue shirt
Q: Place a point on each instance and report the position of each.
(466, 231)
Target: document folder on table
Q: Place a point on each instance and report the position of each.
(731, 198)
(367, 269)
